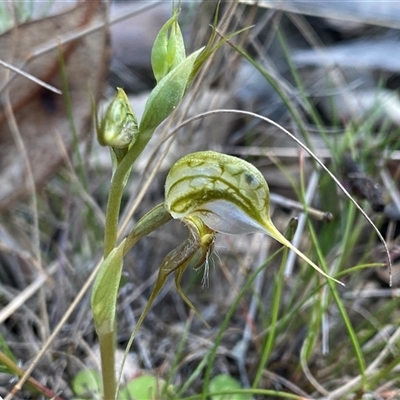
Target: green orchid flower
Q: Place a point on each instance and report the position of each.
(229, 195)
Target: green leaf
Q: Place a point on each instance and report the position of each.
(144, 387)
(221, 383)
(87, 384)
(105, 291)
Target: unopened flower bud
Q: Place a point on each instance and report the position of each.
(169, 49)
(118, 127)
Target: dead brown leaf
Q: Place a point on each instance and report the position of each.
(41, 115)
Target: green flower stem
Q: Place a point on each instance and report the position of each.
(104, 305)
(107, 352)
(116, 191)
(105, 293)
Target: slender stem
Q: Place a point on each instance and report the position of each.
(107, 347)
(116, 190)
(150, 221)
(107, 341)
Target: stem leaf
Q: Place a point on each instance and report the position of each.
(168, 93)
(105, 291)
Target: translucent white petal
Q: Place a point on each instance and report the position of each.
(222, 216)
